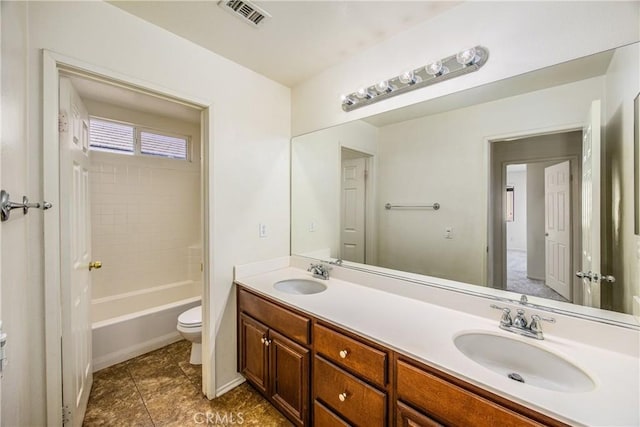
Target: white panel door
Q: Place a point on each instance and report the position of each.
(75, 253)
(352, 227)
(591, 207)
(557, 218)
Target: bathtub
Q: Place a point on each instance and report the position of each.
(128, 325)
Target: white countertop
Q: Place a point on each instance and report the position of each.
(425, 332)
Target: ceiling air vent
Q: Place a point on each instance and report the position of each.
(247, 11)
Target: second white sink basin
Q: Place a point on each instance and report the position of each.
(300, 286)
(524, 362)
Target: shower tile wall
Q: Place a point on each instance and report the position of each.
(145, 222)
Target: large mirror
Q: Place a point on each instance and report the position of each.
(514, 186)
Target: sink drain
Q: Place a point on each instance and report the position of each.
(516, 377)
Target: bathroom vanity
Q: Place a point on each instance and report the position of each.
(354, 378)
(355, 355)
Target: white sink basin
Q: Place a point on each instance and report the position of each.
(300, 286)
(524, 362)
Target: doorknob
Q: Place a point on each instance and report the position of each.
(604, 278)
(583, 275)
(95, 264)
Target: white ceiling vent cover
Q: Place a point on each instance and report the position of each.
(245, 10)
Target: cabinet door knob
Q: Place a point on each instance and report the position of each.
(263, 340)
(344, 354)
(342, 396)
(267, 342)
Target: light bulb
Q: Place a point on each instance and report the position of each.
(363, 93)
(467, 56)
(384, 87)
(409, 78)
(436, 69)
(346, 100)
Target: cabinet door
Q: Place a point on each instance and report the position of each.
(408, 417)
(253, 352)
(289, 374)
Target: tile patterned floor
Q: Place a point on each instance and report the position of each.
(161, 388)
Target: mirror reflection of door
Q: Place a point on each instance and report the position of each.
(353, 205)
(557, 219)
(538, 258)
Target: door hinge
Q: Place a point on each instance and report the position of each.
(366, 174)
(63, 122)
(66, 414)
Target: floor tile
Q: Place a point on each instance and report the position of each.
(162, 388)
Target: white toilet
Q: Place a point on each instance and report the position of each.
(190, 327)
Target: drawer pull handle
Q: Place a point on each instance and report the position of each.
(343, 396)
(344, 354)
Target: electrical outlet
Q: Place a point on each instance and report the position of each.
(448, 233)
(262, 230)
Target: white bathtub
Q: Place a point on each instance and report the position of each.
(131, 324)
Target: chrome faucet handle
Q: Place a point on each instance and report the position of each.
(505, 320)
(535, 322)
(520, 320)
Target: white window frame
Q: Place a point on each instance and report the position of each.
(137, 145)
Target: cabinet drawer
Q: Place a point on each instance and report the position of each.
(409, 417)
(290, 324)
(361, 358)
(451, 404)
(362, 404)
(324, 417)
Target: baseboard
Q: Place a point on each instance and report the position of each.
(230, 385)
(134, 350)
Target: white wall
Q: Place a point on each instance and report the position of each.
(622, 246)
(517, 229)
(315, 188)
(444, 158)
(521, 37)
(248, 158)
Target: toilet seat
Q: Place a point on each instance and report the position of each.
(191, 318)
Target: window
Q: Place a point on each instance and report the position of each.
(510, 203)
(155, 144)
(123, 138)
(111, 136)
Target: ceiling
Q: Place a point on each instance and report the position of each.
(132, 98)
(302, 38)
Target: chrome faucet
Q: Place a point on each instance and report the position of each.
(320, 271)
(518, 325)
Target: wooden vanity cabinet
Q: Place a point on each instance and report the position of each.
(350, 378)
(343, 379)
(274, 364)
(427, 397)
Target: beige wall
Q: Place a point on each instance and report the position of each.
(444, 158)
(622, 246)
(248, 159)
(315, 188)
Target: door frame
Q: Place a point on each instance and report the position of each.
(52, 63)
(496, 262)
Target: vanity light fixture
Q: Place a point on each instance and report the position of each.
(464, 62)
